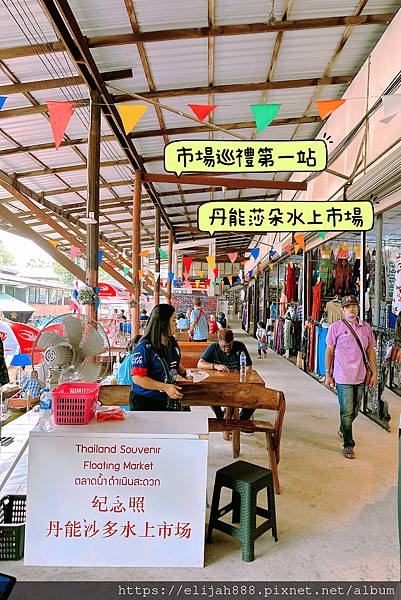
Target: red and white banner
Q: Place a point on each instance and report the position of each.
(107, 290)
(17, 338)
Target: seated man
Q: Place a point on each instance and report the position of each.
(224, 355)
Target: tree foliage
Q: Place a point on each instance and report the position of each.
(6, 257)
(63, 275)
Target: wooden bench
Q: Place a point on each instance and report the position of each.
(191, 353)
(229, 395)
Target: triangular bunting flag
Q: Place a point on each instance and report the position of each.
(232, 256)
(288, 249)
(271, 265)
(321, 234)
(300, 239)
(230, 279)
(187, 261)
(197, 282)
(296, 248)
(171, 276)
(60, 113)
(250, 273)
(74, 252)
(207, 281)
(326, 107)
(144, 253)
(130, 114)
(391, 106)
(201, 274)
(216, 272)
(255, 253)
(278, 247)
(125, 271)
(186, 276)
(162, 253)
(53, 243)
(156, 276)
(2, 101)
(264, 114)
(202, 110)
(211, 261)
(140, 274)
(218, 280)
(99, 257)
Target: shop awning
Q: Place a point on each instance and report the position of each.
(10, 304)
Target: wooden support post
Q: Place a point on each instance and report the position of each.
(170, 265)
(136, 249)
(92, 232)
(157, 255)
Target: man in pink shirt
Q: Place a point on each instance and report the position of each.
(345, 366)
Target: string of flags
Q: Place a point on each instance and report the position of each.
(60, 113)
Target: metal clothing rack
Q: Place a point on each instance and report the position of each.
(374, 406)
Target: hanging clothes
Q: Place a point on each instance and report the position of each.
(396, 302)
(288, 335)
(326, 277)
(317, 301)
(355, 280)
(291, 284)
(334, 312)
(283, 304)
(341, 273)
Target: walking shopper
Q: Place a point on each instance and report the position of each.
(199, 329)
(350, 365)
(261, 336)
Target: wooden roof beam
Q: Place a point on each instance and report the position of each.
(226, 182)
(202, 32)
(50, 84)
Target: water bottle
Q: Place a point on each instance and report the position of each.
(242, 366)
(45, 410)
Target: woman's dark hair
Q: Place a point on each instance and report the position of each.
(158, 325)
(261, 324)
(181, 316)
(133, 343)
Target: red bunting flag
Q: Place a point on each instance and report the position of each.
(202, 110)
(216, 272)
(60, 114)
(326, 107)
(187, 260)
(207, 282)
(287, 249)
(300, 239)
(232, 256)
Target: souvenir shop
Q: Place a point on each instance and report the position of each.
(299, 296)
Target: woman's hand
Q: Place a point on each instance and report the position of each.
(173, 391)
(221, 368)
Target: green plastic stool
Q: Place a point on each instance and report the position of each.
(245, 480)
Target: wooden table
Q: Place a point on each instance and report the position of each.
(231, 378)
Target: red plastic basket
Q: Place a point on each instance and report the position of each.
(74, 403)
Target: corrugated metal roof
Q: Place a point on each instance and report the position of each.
(175, 64)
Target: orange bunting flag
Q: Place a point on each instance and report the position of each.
(197, 282)
(140, 274)
(230, 279)
(271, 265)
(60, 114)
(201, 274)
(211, 261)
(130, 114)
(144, 253)
(300, 239)
(326, 107)
(53, 243)
(296, 248)
(202, 110)
(288, 249)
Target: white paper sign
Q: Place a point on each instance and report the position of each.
(107, 501)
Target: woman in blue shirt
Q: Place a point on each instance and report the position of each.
(123, 375)
(156, 364)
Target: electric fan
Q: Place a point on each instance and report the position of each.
(72, 348)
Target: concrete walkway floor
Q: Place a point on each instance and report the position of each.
(337, 518)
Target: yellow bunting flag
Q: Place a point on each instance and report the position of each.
(300, 239)
(271, 265)
(140, 273)
(197, 282)
(296, 248)
(144, 253)
(53, 243)
(201, 274)
(211, 261)
(130, 114)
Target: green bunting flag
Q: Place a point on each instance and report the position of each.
(125, 271)
(264, 114)
(321, 234)
(163, 253)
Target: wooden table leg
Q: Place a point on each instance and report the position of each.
(236, 435)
